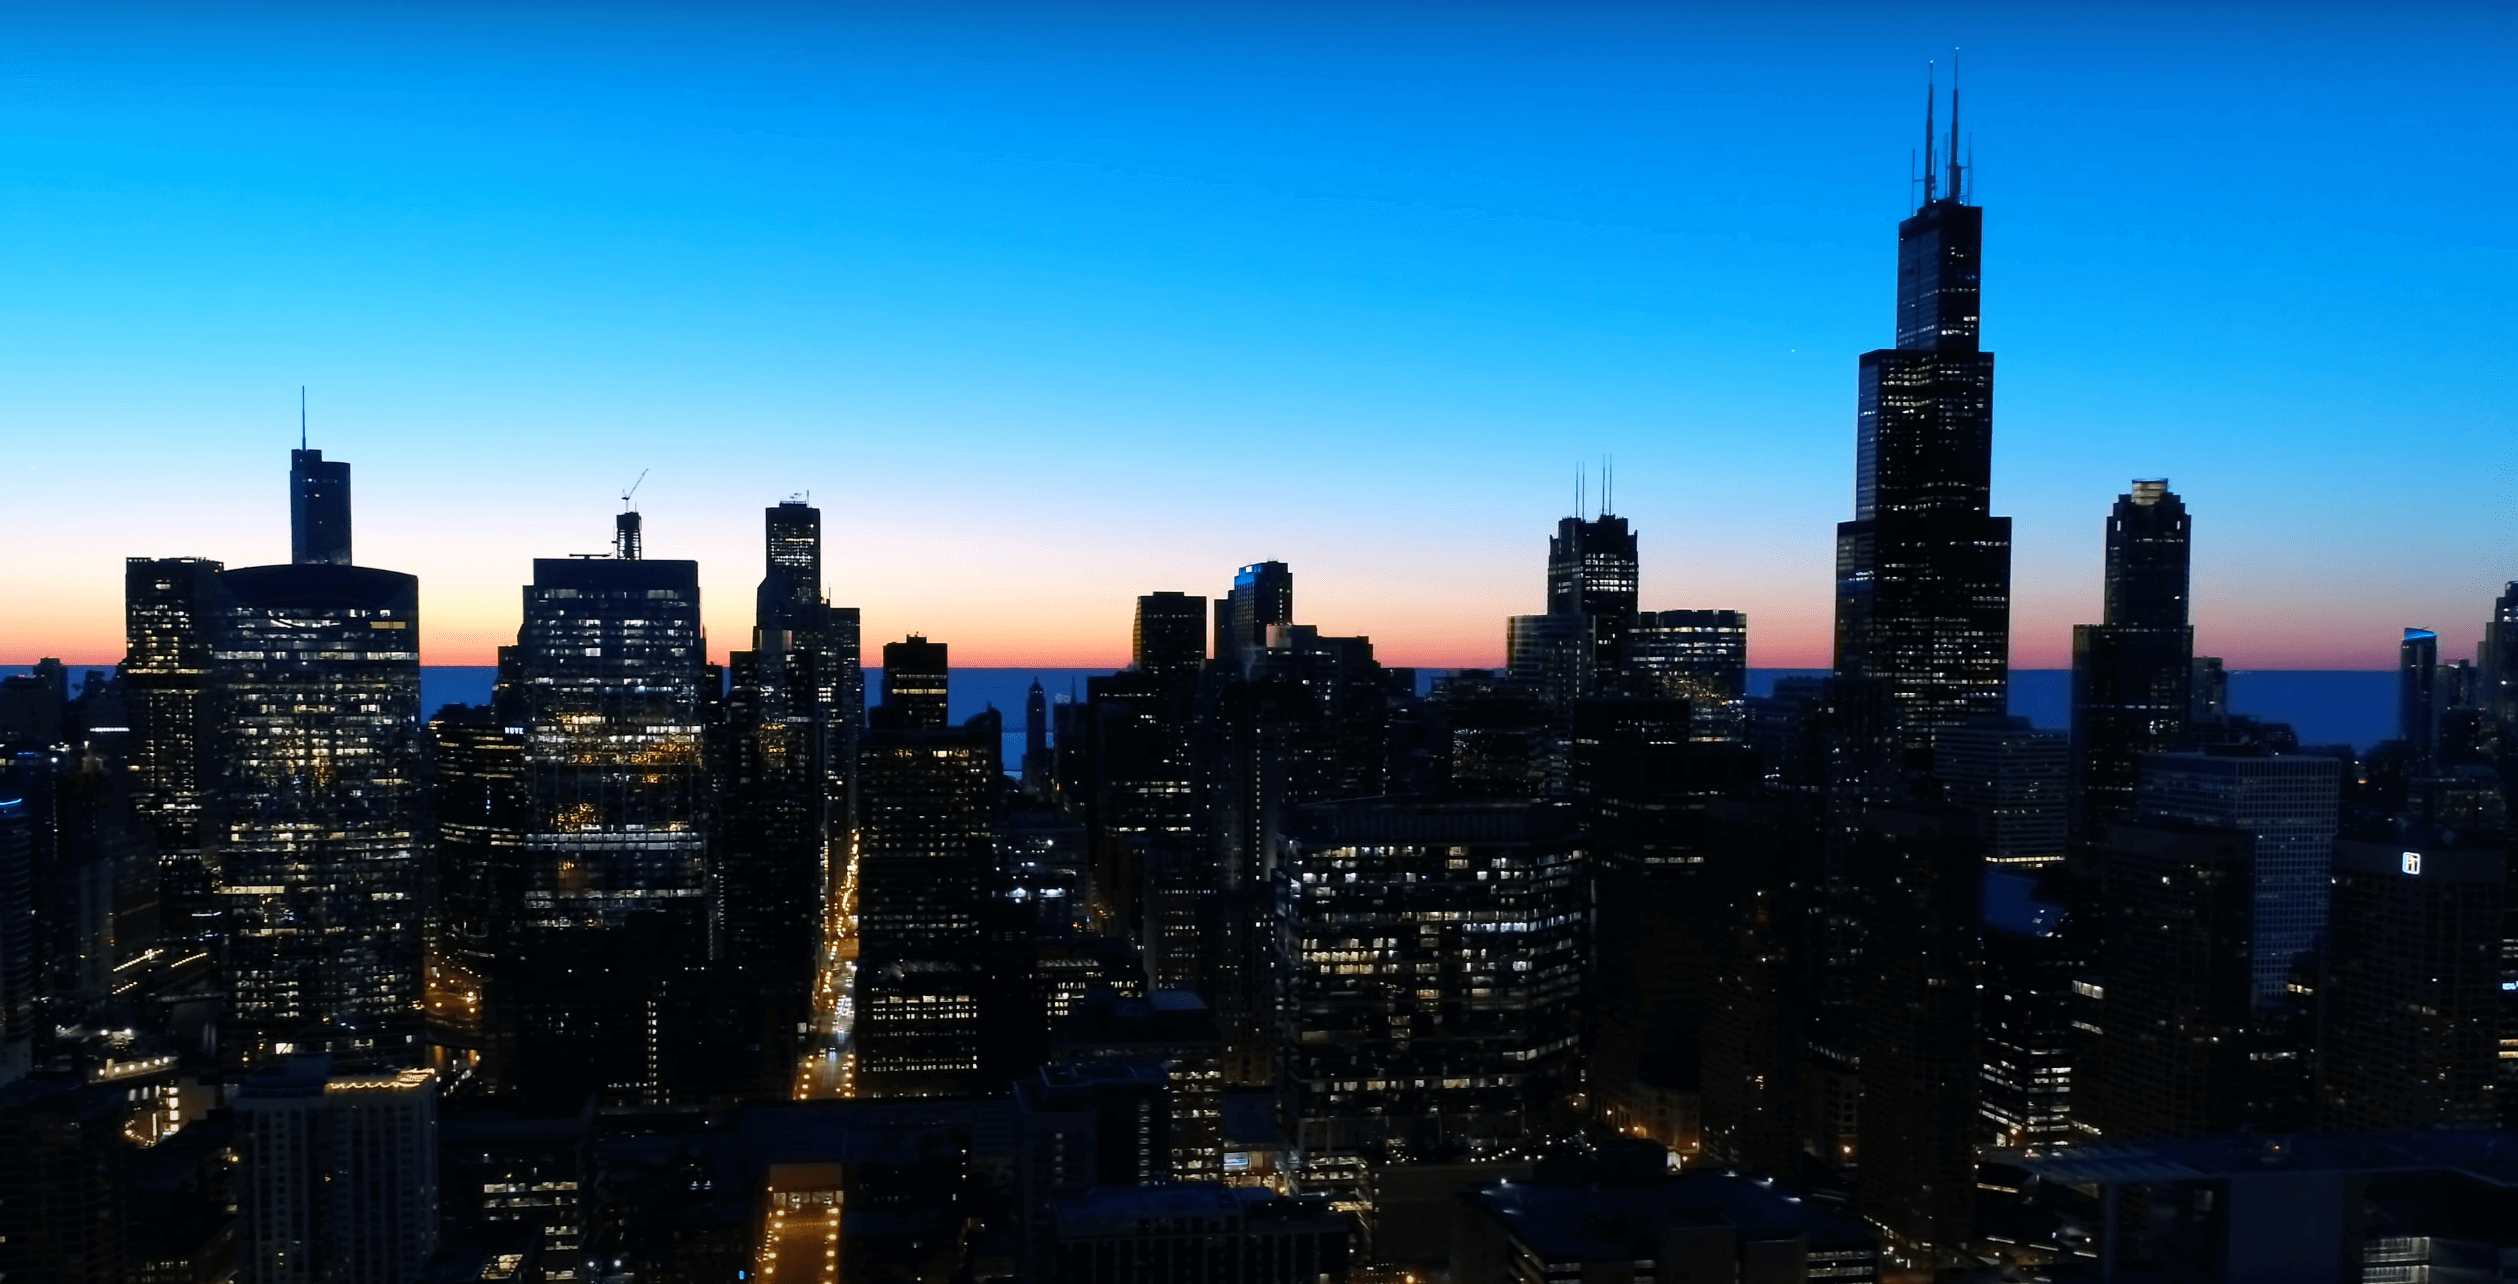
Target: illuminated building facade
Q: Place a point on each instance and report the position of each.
(609, 680)
(1263, 595)
(1432, 982)
(168, 605)
(311, 843)
(1923, 572)
(2132, 674)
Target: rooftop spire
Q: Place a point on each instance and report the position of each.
(1931, 91)
(1957, 191)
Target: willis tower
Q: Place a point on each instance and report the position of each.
(1923, 573)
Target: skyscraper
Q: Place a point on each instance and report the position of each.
(319, 510)
(337, 1179)
(1170, 634)
(2417, 693)
(2497, 658)
(1923, 572)
(312, 840)
(927, 798)
(1263, 594)
(2412, 998)
(168, 605)
(1593, 574)
(2132, 673)
(2288, 803)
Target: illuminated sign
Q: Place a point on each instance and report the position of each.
(2413, 862)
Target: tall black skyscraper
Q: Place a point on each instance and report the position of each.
(2497, 657)
(1923, 573)
(2132, 674)
(1592, 573)
(167, 614)
(916, 673)
(319, 510)
(1170, 634)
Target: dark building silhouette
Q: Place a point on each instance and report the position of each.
(2412, 1010)
(1923, 573)
(313, 827)
(319, 510)
(926, 868)
(2497, 657)
(1262, 596)
(2417, 694)
(2178, 1021)
(1593, 575)
(791, 729)
(1170, 634)
(916, 676)
(2132, 673)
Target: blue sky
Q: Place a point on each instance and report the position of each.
(1051, 305)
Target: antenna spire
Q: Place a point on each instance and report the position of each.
(301, 416)
(1956, 192)
(1931, 91)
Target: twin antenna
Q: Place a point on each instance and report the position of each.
(1957, 187)
(1608, 486)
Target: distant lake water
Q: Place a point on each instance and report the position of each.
(2327, 706)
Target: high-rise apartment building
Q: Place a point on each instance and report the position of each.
(312, 839)
(1923, 571)
(2132, 673)
(337, 1174)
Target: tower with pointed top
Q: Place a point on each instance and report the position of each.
(1923, 571)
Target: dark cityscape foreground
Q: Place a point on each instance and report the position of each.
(1258, 966)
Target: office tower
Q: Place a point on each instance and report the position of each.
(167, 611)
(1644, 786)
(1433, 982)
(319, 510)
(2289, 805)
(1263, 595)
(611, 688)
(2179, 1017)
(2411, 1004)
(2032, 961)
(33, 705)
(1923, 572)
(1920, 874)
(2012, 777)
(926, 863)
(311, 837)
(337, 1175)
(2132, 673)
(1170, 634)
(1083, 1125)
(916, 676)
(1552, 655)
(2417, 694)
(785, 797)
(1698, 655)
(1592, 575)
(2497, 657)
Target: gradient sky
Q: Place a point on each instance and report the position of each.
(1050, 305)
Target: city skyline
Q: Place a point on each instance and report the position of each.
(964, 338)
